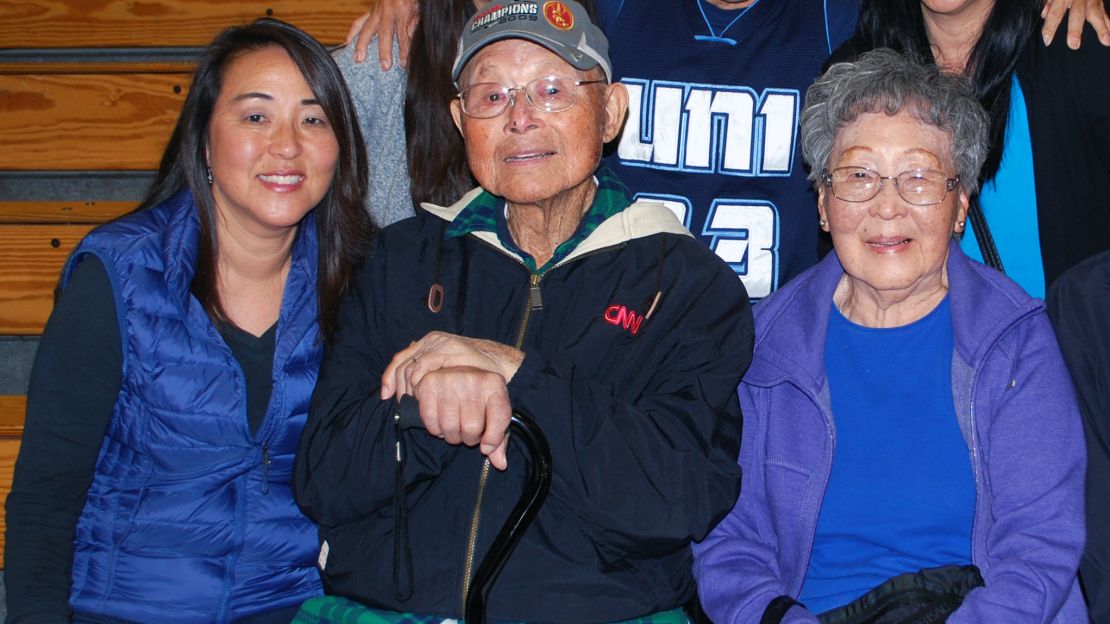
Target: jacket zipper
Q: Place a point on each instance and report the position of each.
(265, 469)
(534, 301)
(830, 422)
(973, 431)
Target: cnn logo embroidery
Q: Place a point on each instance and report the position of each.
(622, 316)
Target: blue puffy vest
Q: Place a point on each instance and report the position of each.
(190, 517)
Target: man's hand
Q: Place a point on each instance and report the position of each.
(1092, 11)
(438, 350)
(465, 405)
(385, 19)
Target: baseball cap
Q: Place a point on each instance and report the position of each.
(561, 26)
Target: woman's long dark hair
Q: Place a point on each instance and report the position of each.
(900, 25)
(438, 169)
(437, 158)
(342, 226)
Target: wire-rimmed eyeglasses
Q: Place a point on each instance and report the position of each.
(549, 94)
(920, 187)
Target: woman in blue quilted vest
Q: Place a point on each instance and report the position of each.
(173, 378)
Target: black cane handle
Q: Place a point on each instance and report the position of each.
(537, 482)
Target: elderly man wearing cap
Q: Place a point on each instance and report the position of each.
(546, 289)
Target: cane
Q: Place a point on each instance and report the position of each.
(537, 482)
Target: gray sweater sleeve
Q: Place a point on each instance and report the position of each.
(379, 98)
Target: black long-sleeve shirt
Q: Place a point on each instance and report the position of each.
(74, 384)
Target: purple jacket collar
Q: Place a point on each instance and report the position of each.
(983, 303)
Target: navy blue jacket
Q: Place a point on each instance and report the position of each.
(642, 417)
(1079, 306)
(190, 517)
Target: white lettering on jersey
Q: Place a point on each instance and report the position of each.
(745, 235)
(713, 128)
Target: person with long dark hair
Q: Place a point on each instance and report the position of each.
(1042, 208)
(419, 156)
(173, 378)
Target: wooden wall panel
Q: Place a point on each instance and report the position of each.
(9, 450)
(165, 23)
(31, 258)
(12, 409)
(87, 121)
(62, 211)
(96, 66)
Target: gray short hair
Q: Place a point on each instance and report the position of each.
(884, 81)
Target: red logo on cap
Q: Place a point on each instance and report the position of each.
(558, 15)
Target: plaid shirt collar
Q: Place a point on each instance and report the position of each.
(486, 213)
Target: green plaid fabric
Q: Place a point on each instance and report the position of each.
(338, 610)
(486, 213)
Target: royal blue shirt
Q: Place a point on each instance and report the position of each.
(901, 494)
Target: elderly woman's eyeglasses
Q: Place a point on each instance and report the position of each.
(920, 187)
(549, 94)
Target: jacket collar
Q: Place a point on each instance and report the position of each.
(792, 323)
(487, 213)
(639, 220)
(180, 243)
(181, 236)
(985, 304)
(790, 328)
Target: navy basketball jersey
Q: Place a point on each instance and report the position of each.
(712, 128)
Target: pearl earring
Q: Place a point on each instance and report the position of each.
(210, 175)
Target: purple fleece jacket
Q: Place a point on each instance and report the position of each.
(1017, 412)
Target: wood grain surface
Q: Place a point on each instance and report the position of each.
(159, 23)
(29, 212)
(9, 450)
(96, 67)
(31, 257)
(87, 121)
(12, 409)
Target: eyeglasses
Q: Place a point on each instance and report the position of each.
(920, 187)
(549, 94)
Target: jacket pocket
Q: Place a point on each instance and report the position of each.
(788, 488)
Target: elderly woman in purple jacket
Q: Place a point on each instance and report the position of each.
(907, 414)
